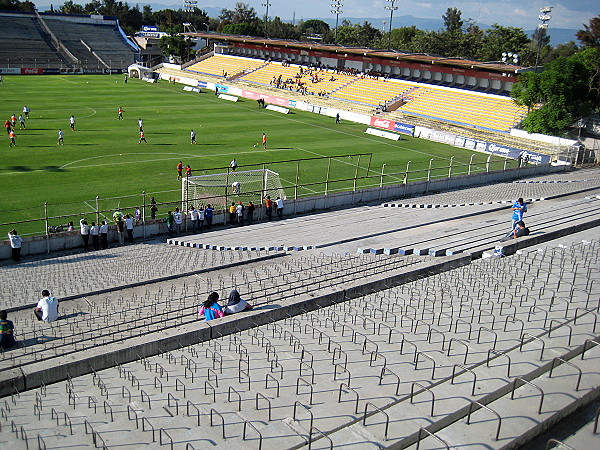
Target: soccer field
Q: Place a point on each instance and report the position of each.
(102, 157)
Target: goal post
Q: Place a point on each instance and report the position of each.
(221, 189)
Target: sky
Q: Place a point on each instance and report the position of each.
(518, 13)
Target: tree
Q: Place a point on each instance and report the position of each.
(314, 26)
(499, 39)
(567, 90)
(176, 46)
(590, 35)
(241, 13)
(452, 19)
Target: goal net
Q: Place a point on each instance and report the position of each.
(221, 189)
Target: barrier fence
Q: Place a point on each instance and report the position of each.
(50, 218)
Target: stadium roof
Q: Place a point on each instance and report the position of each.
(423, 58)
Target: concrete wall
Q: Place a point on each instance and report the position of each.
(70, 240)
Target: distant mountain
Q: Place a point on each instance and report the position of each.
(557, 35)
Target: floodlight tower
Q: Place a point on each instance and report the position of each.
(510, 58)
(544, 19)
(337, 10)
(189, 6)
(391, 8)
(266, 5)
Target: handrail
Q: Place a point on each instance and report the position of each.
(246, 422)
(296, 403)
(387, 418)
(350, 389)
(488, 409)
(310, 439)
(439, 439)
(512, 394)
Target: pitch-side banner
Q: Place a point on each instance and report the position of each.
(398, 127)
(267, 98)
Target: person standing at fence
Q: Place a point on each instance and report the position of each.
(104, 235)
(193, 218)
(95, 234)
(169, 221)
(129, 227)
(15, 244)
(519, 208)
(250, 212)
(208, 215)
(239, 212)
(279, 204)
(232, 213)
(118, 218)
(153, 208)
(269, 207)
(178, 218)
(84, 229)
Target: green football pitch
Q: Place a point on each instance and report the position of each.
(102, 158)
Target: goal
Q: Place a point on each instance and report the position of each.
(221, 189)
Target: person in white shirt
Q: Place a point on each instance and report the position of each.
(279, 204)
(61, 138)
(233, 165)
(47, 308)
(15, 244)
(95, 234)
(129, 227)
(193, 218)
(85, 233)
(104, 234)
(72, 123)
(178, 218)
(200, 212)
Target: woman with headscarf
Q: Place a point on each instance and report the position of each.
(236, 303)
(211, 309)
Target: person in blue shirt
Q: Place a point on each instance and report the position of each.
(211, 309)
(519, 208)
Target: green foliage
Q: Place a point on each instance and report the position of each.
(239, 28)
(314, 26)
(452, 19)
(499, 39)
(566, 90)
(177, 46)
(356, 35)
(590, 35)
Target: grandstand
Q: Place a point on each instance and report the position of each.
(23, 43)
(54, 41)
(217, 65)
(341, 350)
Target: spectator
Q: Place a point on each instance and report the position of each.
(84, 229)
(210, 308)
(178, 218)
(129, 227)
(250, 212)
(104, 235)
(138, 214)
(71, 227)
(232, 210)
(15, 244)
(279, 203)
(269, 207)
(95, 234)
(208, 215)
(236, 303)
(7, 331)
(520, 231)
(153, 208)
(239, 212)
(47, 308)
(200, 214)
(170, 221)
(193, 218)
(519, 208)
(118, 218)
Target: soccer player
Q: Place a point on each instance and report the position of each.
(264, 141)
(179, 170)
(61, 137)
(142, 138)
(72, 122)
(233, 165)
(26, 111)
(8, 126)
(236, 187)
(21, 122)
(141, 124)
(13, 120)
(193, 136)
(188, 171)
(120, 113)
(11, 137)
